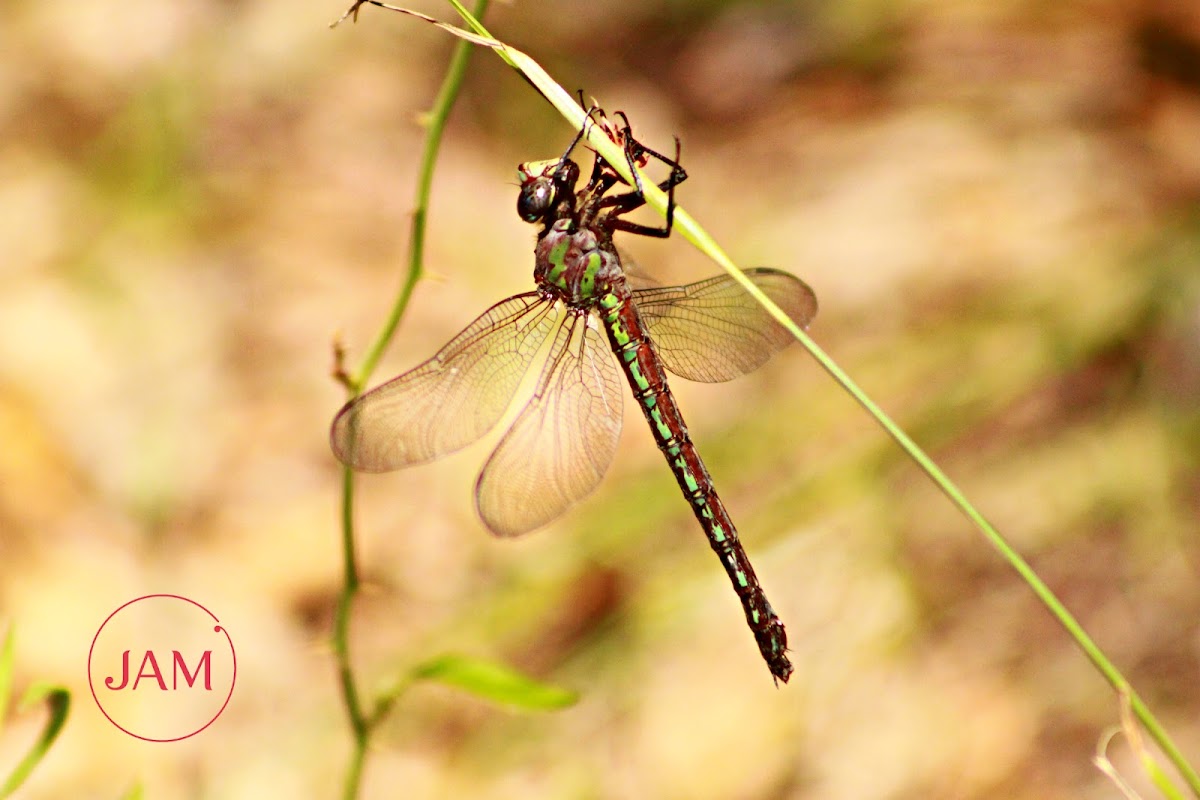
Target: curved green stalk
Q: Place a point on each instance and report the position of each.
(58, 704)
(362, 725)
(692, 231)
(1015, 560)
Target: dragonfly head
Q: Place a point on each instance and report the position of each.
(544, 185)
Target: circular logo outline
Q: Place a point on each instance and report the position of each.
(218, 628)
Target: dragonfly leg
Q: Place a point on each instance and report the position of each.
(624, 203)
(636, 152)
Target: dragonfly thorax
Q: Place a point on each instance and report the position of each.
(574, 264)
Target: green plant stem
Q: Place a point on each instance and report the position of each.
(438, 115)
(1018, 563)
(698, 236)
(362, 726)
(350, 584)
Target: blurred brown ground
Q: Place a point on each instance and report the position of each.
(999, 212)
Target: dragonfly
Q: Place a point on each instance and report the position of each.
(564, 438)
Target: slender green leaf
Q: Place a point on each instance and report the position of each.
(58, 701)
(495, 682)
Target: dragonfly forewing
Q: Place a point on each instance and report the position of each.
(713, 330)
(450, 400)
(564, 440)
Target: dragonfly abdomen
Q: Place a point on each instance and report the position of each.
(648, 379)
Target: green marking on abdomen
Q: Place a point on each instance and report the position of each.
(618, 332)
(664, 431)
(635, 370)
(690, 480)
(645, 374)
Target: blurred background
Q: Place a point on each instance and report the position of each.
(998, 207)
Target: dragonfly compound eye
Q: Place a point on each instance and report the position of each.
(536, 199)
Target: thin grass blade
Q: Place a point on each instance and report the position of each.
(58, 702)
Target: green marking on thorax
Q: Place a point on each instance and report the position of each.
(587, 284)
(558, 263)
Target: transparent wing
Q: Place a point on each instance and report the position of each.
(637, 277)
(450, 400)
(564, 440)
(713, 330)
